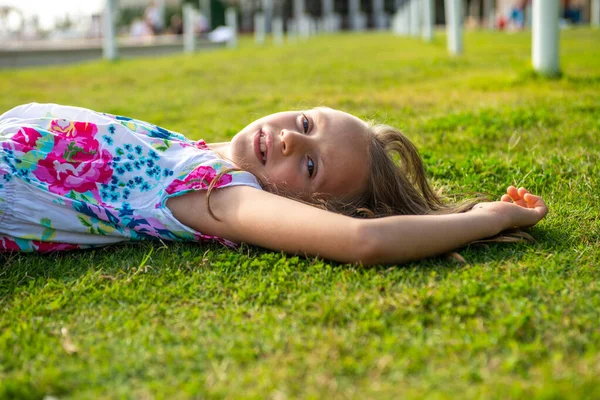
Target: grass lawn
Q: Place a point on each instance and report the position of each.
(182, 320)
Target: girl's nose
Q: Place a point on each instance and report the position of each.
(290, 141)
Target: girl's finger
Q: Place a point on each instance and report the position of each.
(506, 198)
(514, 194)
(530, 197)
(522, 191)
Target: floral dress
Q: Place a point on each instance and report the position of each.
(73, 178)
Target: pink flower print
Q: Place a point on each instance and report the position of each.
(64, 175)
(74, 139)
(200, 178)
(7, 244)
(25, 139)
(70, 129)
(201, 145)
(76, 161)
(45, 247)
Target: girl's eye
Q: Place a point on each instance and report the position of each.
(305, 123)
(310, 164)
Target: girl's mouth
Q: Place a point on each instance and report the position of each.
(260, 147)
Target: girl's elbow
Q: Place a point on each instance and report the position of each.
(367, 249)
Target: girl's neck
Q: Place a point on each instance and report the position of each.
(223, 149)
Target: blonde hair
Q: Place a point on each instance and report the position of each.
(397, 183)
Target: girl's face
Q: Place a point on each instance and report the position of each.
(315, 151)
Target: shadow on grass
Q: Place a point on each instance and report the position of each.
(18, 270)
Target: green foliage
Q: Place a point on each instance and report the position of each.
(182, 320)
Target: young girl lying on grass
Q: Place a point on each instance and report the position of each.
(293, 181)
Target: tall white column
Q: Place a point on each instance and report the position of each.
(454, 26)
(354, 14)
(402, 19)
(415, 18)
(299, 9)
(231, 22)
(189, 37)
(428, 19)
(268, 12)
(406, 18)
(300, 21)
(545, 36)
(259, 28)
(378, 14)
(109, 40)
(595, 13)
(278, 31)
(327, 8)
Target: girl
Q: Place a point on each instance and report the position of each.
(74, 178)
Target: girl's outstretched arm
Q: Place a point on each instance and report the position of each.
(260, 218)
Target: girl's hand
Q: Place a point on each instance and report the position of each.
(517, 209)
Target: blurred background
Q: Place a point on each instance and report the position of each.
(32, 31)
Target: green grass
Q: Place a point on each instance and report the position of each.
(181, 320)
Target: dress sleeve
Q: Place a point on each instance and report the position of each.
(200, 179)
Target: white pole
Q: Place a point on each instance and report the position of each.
(109, 40)
(403, 20)
(278, 31)
(298, 10)
(428, 18)
(300, 21)
(160, 4)
(454, 26)
(378, 14)
(189, 37)
(259, 28)
(328, 16)
(231, 21)
(268, 11)
(545, 36)
(353, 13)
(397, 22)
(395, 26)
(595, 11)
(406, 11)
(327, 8)
(415, 18)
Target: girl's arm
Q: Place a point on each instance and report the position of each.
(260, 218)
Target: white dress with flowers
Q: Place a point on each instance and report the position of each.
(74, 178)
